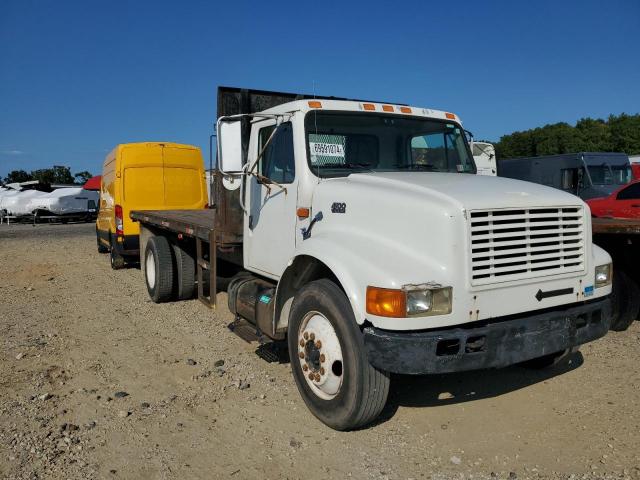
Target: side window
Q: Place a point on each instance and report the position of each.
(278, 161)
(632, 192)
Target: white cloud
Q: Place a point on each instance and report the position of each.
(13, 152)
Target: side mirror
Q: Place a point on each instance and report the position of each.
(469, 136)
(229, 134)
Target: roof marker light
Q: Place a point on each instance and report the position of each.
(450, 116)
(387, 108)
(315, 104)
(368, 106)
(405, 109)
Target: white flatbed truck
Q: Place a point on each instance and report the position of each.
(361, 234)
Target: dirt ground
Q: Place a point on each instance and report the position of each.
(96, 381)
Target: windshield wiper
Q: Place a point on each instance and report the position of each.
(347, 165)
(415, 166)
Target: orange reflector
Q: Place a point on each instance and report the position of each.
(387, 108)
(450, 115)
(405, 109)
(368, 106)
(315, 104)
(303, 212)
(386, 302)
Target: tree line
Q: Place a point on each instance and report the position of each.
(619, 133)
(57, 174)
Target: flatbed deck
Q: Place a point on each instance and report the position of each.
(615, 226)
(194, 223)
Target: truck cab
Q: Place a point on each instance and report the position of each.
(366, 239)
(585, 174)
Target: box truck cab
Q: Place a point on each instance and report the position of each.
(148, 175)
(365, 237)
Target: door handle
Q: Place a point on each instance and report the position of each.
(636, 206)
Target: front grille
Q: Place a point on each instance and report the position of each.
(515, 244)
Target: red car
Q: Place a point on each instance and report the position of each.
(622, 203)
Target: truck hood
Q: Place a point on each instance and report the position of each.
(464, 190)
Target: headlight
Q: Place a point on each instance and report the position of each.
(411, 301)
(603, 275)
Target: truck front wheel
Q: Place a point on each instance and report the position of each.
(158, 269)
(625, 299)
(328, 359)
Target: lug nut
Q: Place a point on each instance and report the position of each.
(311, 376)
(322, 357)
(301, 343)
(318, 344)
(312, 336)
(301, 354)
(317, 377)
(306, 335)
(321, 371)
(305, 367)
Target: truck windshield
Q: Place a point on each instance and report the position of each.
(341, 143)
(610, 174)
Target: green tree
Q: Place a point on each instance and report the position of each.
(17, 176)
(617, 134)
(57, 174)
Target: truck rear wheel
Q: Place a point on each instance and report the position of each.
(625, 300)
(158, 269)
(185, 272)
(328, 359)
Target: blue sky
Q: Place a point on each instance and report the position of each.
(79, 77)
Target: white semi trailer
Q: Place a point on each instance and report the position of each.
(361, 234)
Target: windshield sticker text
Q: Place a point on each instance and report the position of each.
(326, 149)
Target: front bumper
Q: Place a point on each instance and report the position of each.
(502, 342)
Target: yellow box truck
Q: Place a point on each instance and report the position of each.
(145, 176)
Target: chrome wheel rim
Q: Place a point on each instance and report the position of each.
(150, 270)
(320, 356)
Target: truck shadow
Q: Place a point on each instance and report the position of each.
(454, 388)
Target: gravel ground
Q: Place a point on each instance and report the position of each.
(96, 381)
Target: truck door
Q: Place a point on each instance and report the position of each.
(271, 209)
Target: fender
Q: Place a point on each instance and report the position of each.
(352, 269)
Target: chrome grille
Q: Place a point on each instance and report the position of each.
(516, 244)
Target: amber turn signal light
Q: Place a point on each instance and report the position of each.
(386, 302)
(303, 212)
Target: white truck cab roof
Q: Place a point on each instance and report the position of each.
(357, 106)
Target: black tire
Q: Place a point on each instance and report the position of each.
(185, 281)
(551, 360)
(101, 247)
(158, 256)
(625, 301)
(364, 389)
(117, 260)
